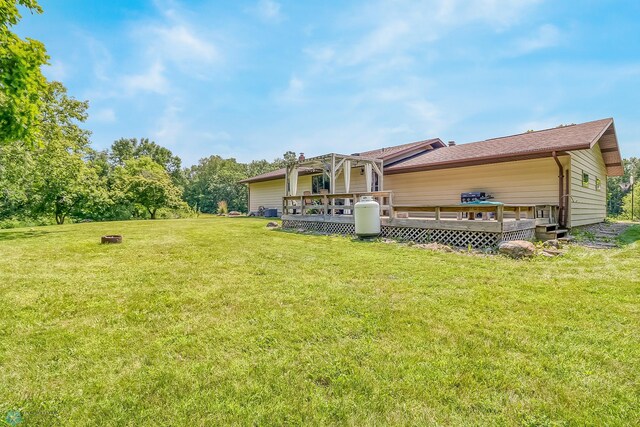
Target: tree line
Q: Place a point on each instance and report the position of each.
(62, 177)
(50, 173)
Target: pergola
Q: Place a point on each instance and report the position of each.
(332, 166)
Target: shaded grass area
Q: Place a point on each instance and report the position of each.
(630, 235)
(221, 321)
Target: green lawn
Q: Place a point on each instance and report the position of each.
(220, 321)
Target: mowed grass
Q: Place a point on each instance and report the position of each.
(222, 321)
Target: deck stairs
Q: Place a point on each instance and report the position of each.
(550, 231)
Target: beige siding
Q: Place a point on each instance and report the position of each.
(356, 185)
(587, 205)
(270, 193)
(527, 181)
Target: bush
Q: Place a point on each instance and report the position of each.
(15, 222)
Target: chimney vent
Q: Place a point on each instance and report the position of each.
(301, 157)
(452, 143)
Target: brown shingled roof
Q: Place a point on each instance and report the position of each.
(386, 154)
(276, 174)
(528, 145)
(397, 150)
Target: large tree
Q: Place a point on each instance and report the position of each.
(144, 182)
(126, 149)
(213, 180)
(21, 79)
(62, 183)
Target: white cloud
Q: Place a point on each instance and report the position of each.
(100, 58)
(545, 36)
(178, 44)
(389, 29)
(170, 126)
(320, 54)
(56, 70)
(163, 50)
(216, 136)
(103, 115)
(498, 13)
(426, 112)
(294, 92)
(382, 39)
(152, 80)
(268, 11)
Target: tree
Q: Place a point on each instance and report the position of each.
(213, 180)
(615, 192)
(62, 183)
(65, 185)
(288, 158)
(144, 182)
(627, 210)
(21, 79)
(126, 149)
(16, 169)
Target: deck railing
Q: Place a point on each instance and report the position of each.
(333, 204)
(342, 205)
(470, 212)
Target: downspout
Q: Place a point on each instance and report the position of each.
(567, 198)
(560, 189)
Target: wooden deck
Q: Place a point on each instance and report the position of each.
(477, 224)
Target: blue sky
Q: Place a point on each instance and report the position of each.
(252, 79)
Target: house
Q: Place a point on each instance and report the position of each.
(556, 177)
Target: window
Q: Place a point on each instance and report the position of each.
(585, 179)
(598, 184)
(319, 182)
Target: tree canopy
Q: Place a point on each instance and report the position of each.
(21, 79)
(144, 182)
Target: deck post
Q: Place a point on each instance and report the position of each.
(500, 213)
(438, 213)
(286, 181)
(517, 210)
(332, 182)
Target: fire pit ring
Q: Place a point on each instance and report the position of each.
(111, 238)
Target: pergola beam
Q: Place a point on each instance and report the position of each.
(332, 166)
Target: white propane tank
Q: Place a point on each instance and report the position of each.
(367, 216)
